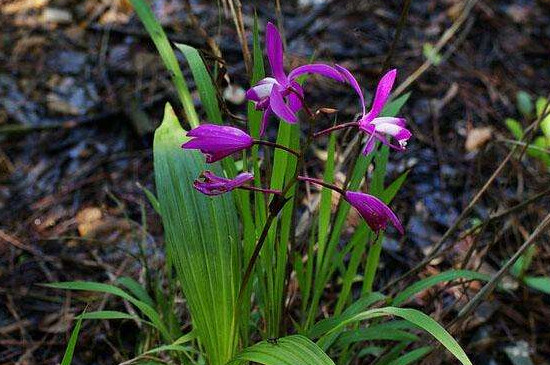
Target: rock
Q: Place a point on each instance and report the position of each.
(57, 16)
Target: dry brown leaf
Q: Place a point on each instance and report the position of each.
(477, 138)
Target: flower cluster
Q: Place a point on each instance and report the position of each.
(283, 96)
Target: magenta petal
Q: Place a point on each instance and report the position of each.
(210, 184)
(354, 84)
(317, 68)
(265, 120)
(217, 141)
(369, 145)
(382, 94)
(279, 106)
(274, 46)
(376, 214)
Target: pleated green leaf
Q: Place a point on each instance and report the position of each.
(107, 315)
(202, 240)
(290, 350)
(426, 283)
(417, 318)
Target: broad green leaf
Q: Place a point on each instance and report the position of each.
(202, 240)
(428, 282)
(168, 56)
(524, 103)
(203, 82)
(514, 127)
(540, 283)
(107, 315)
(290, 350)
(69, 351)
(418, 318)
(326, 196)
(374, 333)
(146, 309)
(412, 356)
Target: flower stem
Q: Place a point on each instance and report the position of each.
(322, 183)
(335, 128)
(276, 145)
(261, 190)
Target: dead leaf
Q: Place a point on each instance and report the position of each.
(477, 138)
(88, 220)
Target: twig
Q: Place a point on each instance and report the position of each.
(400, 26)
(491, 285)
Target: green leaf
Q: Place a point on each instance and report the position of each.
(374, 333)
(151, 197)
(514, 127)
(146, 309)
(392, 108)
(426, 283)
(69, 351)
(290, 350)
(412, 356)
(202, 240)
(540, 283)
(418, 318)
(107, 315)
(326, 196)
(524, 103)
(545, 124)
(136, 289)
(166, 52)
(203, 82)
(431, 54)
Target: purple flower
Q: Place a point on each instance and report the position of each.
(210, 184)
(217, 141)
(371, 123)
(281, 94)
(373, 210)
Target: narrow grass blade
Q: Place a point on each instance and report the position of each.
(203, 82)
(290, 350)
(136, 289)
(107, 315)
(166, 52)
(146, 309)
(202, 240)
(69, 351)
(412, 356)
(426, 283)
(418, 318)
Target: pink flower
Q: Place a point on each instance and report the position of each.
(373, 210)
(210, 184)
(217, 142)
(370, 122)
(281, 94)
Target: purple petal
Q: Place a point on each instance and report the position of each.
(382, 94)
(317, 68)
(294, 101)
(274, 46)
(261, 90)
(210, 184)
(279, 106)
(265, 120)
(369, 145)
(354, 84)
(375, 213)
(402, 122)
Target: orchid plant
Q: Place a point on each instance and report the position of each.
(236, 276)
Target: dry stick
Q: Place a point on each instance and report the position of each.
(490, 286)
(237, 14)
(400, 26)
(434, 252)
(449, 33)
